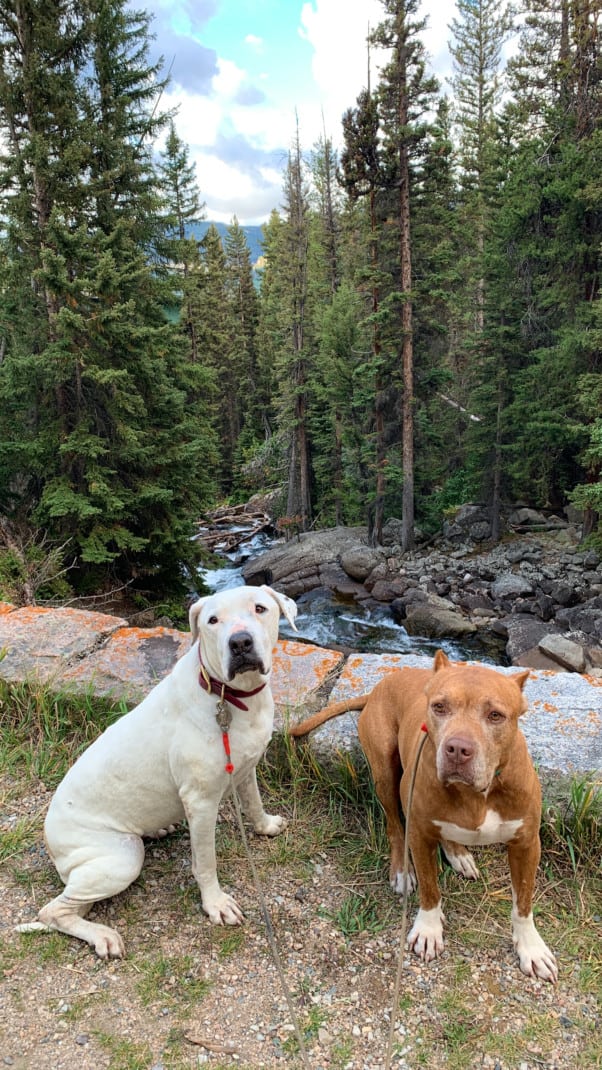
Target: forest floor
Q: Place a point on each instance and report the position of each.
(189, 994)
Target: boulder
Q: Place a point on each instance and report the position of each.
(294, 567)
(511, 585)
(392, 532)
(564, 651)
(523, 633)
(436, 622)
(359, 561)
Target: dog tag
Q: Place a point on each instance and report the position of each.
(223, 715)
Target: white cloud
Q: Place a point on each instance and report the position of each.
(338, 81)
(239, 137)
(228, 80)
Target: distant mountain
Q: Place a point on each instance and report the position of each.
(253, 234)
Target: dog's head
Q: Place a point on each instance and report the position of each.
(472, 718)
(237, 629)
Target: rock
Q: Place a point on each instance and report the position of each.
(359, 561)
(585, 618)
(433, 621)
(294, 567)
(535, 659)
(530, 518)
(392, 531)
(563, 593)
(511, 585)
(388, 590)
(523, 633)
(567, 653)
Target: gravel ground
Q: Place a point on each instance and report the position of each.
(189, 995)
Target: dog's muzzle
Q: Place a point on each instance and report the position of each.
(243, 655)
(457, 761)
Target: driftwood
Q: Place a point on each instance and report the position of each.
(214, 533)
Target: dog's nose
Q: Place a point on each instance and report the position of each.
(240, 643)
(459, 749)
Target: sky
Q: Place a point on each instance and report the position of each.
(243, 71)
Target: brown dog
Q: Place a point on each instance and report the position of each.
(475, 784)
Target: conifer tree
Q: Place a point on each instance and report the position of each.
(179, 249)
(242, 346)
(405, 94)
(557, 237)
(111, 458)
(213, 338)
(479, 34)
(363, 178)
(295, 363)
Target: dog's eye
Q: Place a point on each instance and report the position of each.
(212, 619)
(496, 717)
(260, 609)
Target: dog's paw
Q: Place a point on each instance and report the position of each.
(534, 956)
(461, 861)
(223, 910)
(270, 825)
(107, 943)
(426, 935)
(403, 883)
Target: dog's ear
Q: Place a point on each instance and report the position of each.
(441, 661)
(521, 678)
(285, 604)
(193, 616)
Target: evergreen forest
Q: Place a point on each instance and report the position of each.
(423, 329)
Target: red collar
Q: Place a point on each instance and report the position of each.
(233, 695)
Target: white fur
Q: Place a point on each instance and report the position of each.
(426, 935)
(462, 863)
(493, 830)
(162, 762)
(534, 956)
(403, 882)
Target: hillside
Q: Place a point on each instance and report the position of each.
(253, 234)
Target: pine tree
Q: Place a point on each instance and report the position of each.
(213, 339)
(363, 178)
(115, 461)
(554, 192)
(405, 94)
(179, 250)
(479, 36)
(294, 369)
(242, 346)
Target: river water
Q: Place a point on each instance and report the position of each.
(328, 621)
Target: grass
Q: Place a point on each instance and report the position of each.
(125, 1054)
(169, 979)
(335, 821)
(43, 731)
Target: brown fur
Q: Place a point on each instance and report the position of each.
(475, 781)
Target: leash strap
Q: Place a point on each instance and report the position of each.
(223, 717)
(406, 893)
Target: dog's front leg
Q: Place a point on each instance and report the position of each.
(534, 956)
(265, 824)
(426, 935)
(201, 814)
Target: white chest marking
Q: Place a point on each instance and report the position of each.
(493, 830)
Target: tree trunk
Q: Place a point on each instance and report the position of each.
(407, 351)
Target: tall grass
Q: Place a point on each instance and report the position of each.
(43, 731)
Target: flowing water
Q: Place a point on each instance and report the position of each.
(328, 621)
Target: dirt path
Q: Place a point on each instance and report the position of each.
(189, 995)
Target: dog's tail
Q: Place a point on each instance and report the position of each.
(334, 710)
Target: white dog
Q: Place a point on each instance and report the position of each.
(167, 759)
